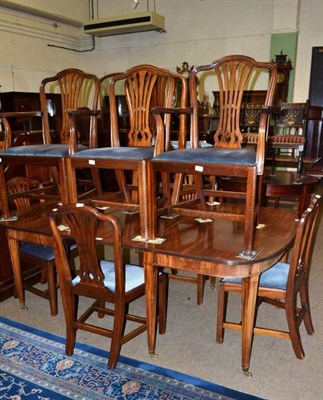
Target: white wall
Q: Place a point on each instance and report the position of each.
(25, 55)
(198, 31)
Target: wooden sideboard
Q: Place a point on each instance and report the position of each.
(30, 101)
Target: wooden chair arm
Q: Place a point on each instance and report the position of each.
(94, 115)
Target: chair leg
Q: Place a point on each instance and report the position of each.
(52, 292)
(4, 203)
(162, 303)
(213, 282)
(305, 301)
(101, 304)
(43, 276)
(96, 180)
(222, 309)
(70, 311)
(122, 184)
(118, 329)
(200, 288)
(295, 337)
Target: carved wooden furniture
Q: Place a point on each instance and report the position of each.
(26, 102)
(206, 249)
(145, 86)
(284, 67)
(227, 158)
(285, 286)
(41, 257)
(211, 249)
(101, 280)
(287, 142)
(75, 86)
(314, 145)
(23, 193)
(285, 185)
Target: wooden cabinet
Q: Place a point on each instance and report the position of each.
(314, 146)
(314, 135)
(28, 101)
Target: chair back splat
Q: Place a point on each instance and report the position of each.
(285, 286)
(230, 156)
(78, 96)
(99, 279)
(144, 86)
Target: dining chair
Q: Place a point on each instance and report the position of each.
(285, 286)
(99, 279)
(228, 157)
(79, 94)
(286, 145)
(145, 86)
(133, 140)
(22, 193)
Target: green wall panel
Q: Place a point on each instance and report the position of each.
(287, 44)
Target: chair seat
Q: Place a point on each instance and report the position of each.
(38, 250)
(130, 153)
(134, 276)
(41, 251)
(275, 277)
(210, 156)
(40, 150)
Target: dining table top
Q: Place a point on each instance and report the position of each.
(210, 248)
(216, 241)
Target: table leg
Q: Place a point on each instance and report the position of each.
(144, 206)
(249, 297)
(16, 266)
(4, 206)
(151, 275)
(63, 181)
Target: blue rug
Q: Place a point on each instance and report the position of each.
(33, 365)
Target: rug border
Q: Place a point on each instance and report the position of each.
(166, 372)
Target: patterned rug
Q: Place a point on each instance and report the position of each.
(33, 365)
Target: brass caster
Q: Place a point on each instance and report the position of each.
(247, 373)
(23, 306)
(154, 355)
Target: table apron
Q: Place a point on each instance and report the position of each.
(220, 270)
(30, 237)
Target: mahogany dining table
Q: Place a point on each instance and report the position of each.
(209, 248)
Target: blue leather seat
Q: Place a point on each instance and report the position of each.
(274, 278)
